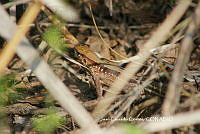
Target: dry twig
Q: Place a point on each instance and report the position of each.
(173, 94)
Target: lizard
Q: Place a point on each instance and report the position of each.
(95, 65)
(88, 58)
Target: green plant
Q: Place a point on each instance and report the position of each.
(46, 124)
(6, 89)
(55, 39)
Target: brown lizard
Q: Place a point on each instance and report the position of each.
(87, 57)
(106, 75)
